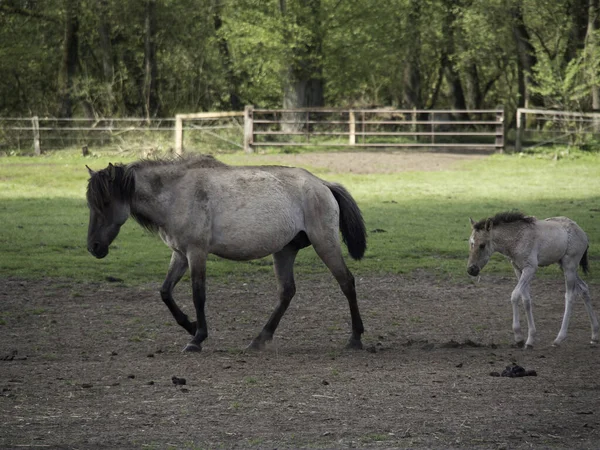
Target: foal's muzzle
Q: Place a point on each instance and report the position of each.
(473, 270)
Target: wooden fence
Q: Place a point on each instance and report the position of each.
(325, 127)
(481, 129)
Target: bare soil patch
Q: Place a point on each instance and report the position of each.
(91, 366)
(374, 162)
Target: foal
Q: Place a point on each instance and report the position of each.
(530, 243)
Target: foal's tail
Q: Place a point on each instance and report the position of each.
(584, 263)
(352, 224)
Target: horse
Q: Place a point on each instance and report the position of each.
(199, 206)
(530, 243)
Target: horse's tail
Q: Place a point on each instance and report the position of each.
(352, 224)
(584, 263)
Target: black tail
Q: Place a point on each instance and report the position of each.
(352, 225)
(584, 263)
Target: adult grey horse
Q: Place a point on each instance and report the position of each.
(199, 205)
(529, 243)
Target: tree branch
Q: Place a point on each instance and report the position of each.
(26, 13)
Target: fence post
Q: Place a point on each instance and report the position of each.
(178, 134)
(519, 136)
(352, 127)
(36, 135)
(500, 129)
(248, 128)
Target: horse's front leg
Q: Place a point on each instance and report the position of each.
(514, 300)
(197, 262)
(177, 269)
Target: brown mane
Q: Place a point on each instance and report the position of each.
(503, 218)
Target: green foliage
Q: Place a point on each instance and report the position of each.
(210, 52)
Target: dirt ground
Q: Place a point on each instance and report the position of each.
(373, 162)
(91, 366)
(86, 366)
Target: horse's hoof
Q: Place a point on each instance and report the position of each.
(594, 342)
(519, 344)
(256, 345)
(354, 344)
(528, 346)
(190, 347)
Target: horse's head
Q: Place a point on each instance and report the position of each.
(480, 246)
(108, 196)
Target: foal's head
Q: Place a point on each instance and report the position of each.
(480, 246)
(108, 194)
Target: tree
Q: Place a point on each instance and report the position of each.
(70, 57)
(303, 36)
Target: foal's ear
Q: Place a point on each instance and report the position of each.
(472, 222)
(488, 225)
(90, 171)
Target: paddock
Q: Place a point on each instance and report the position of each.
(91, 366)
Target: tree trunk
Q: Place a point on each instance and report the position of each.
(234, 82)
(457, 94)
(412, 97)
(474, 93)
(150, 90)
(592, 50)
(303, 85)
(527, 60)
(106, 55)
(70, 58)
(578, 11)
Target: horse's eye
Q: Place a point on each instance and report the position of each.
(481, 246)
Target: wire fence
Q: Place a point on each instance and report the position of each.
(539, 128)
(32, 134)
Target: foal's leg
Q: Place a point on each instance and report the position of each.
(331, 254)
(514, 299)
(177, 268)
(585, 293)
(522, 291)
(284, 271)
(197, 261)
(570, 294)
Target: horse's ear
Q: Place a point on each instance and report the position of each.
(488, 225)
(472, 222)
(90, 171)
(112, 171)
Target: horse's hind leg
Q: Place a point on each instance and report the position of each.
(331, 254)
(284, 271)
(585, 293)
(177, 269)
(570, 294)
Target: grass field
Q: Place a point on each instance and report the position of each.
(416, 220)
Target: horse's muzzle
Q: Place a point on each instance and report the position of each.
(98, 250)
(473, 270)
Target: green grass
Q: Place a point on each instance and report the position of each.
(416, 220)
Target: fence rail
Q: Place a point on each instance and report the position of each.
(41, 133)
(538, 127)
(333, 127)
(330, 127)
